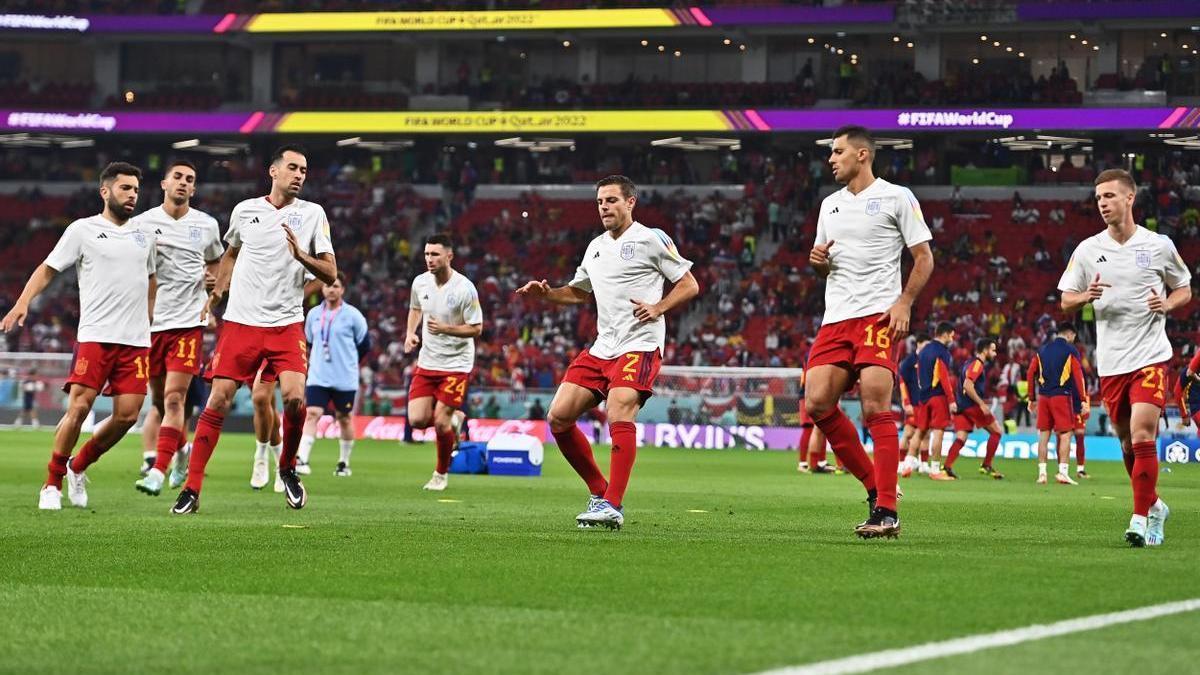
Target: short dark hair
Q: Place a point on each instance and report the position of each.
(857, 134)
(983, 343)
(110, 172)
(440, 238)
(922, 337)
(1064, 327)
(943, 328)
(180, 162)
(1120, 175)
(341, 276)
(628, 189)
(288, 147)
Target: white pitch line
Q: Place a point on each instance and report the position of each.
(893, 658)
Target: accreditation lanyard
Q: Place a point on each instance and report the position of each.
(327, 329)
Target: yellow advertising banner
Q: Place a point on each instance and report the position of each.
(504, 122)
(327, 22)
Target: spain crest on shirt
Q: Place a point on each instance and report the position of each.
(873, 206)
(194, 234)
(627, 251)
(139, 238)
(293, 220)
(1141, 256)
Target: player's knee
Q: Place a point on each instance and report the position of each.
(419, 421)
(558, 421)
(125, 418)
(816, 408)
(293, 405)
(173, 402)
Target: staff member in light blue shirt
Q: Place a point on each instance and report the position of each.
(338, 339)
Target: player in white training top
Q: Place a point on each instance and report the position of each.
(272, 241)
(625, 268)
(862, 232)
(115, 263)
(187, 250)
(1133, 278)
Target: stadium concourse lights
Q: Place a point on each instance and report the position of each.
(699, 143)
(893, 143)
(536, 144)
(44, 141)
(224, 148)
(1042, 142)
(1190, 142)
(357, 142)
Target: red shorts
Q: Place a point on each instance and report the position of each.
(445, 387)
(636, 370)
(266, 374)
(241, 351)
(176, 351)
(972, 418)
(1145, 385)
(934, 413)
(911, 420)
(854, 344)
(124, 369)
(1055, 413)
(1080, 422)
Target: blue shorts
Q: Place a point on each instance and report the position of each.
(322, 397)
(197, 394)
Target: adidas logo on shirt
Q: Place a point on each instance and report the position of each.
(158, 231)
(596, 256)
(1102, 259)
(102, 236)
(255, 221)
(835, 210)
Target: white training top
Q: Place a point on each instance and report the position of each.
(114, 263)
(869, 231)
(619, 271)
(182, 248)
(454, 303)
(1128, 335)
(268, 283)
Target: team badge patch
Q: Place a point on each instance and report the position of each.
(1142, 257)
(139, 238)
(873, 207)
(81, 367)
(627, 251)
(293, 220)
(194, 233)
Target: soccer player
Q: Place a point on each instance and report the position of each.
(1055, 378)
(1083, 410)
(909, 400)
(444, 305)
(338, 334)
(272, 241)
(115, 264)
(973, 411)
(862, 231)
(187, 251)
(812, 441)
(30, 387)
(625, 268)
(935, 382)
(1133, 278)
(1189, 392)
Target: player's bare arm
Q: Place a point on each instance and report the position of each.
(969, 388)
(685, 289)
(820, 260)
(900, 314)
(221, 286)
(1073, 302)
(38, 281)
(413, 338)
(211, 269)
(1174, 300)
(322, 266)
(465, 330)
(563, 295)
(151, 292)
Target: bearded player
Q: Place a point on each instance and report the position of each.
(625, 269)
(1133, 278)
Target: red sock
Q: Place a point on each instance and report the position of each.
(1128, 458)
(445, 446)
(168, 444)
(575, 448)
(87, 456)
(293, 429)
(1079, 450)
(805, 436)
(992, 446)
(1144, 477)
(183, 439)
(887, 457)
(624, 451)
(819, 455)
(843, 437)
(208, 430)
(924, 453)
(57, 468)
(955, 448)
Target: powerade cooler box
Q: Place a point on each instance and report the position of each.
(514, 455)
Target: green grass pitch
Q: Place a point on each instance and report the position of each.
(729, 562)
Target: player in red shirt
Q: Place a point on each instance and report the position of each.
(862, 233)
(273, 241)
(116, 271)
(973, 411)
